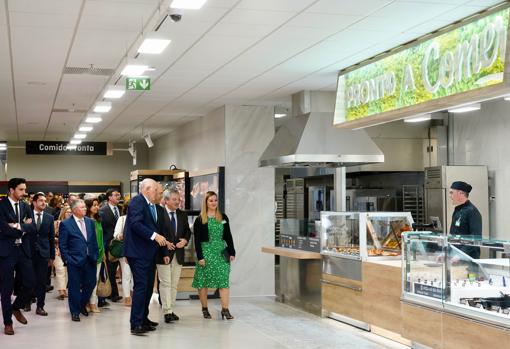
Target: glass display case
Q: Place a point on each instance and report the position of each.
(464, 275)
(362, 235)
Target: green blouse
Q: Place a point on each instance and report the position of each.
(100, 243)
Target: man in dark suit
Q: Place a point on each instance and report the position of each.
(79, 251)
(169, 262)
(15, 228)
(141, 240)
(109, 215)
(42, 246)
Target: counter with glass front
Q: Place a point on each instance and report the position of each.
(360, 250)
(461, 275)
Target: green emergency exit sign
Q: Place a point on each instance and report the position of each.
(138, 83)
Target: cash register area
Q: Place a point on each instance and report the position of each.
(260, 323)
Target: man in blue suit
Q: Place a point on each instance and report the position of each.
(15, 229)
(79, 252)
(141, 240)
(42, 245)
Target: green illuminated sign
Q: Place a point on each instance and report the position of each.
(464, 59)
(142, 83)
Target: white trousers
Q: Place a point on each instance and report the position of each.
(169, 276)
(127, 278)
(93, 297)
(60, 274)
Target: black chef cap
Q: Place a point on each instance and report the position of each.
(463, 186)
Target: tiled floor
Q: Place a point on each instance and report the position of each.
(260, 323)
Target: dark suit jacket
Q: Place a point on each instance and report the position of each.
(108, 222)
(201, 234)
(183, 232)
(74, 249)
(42, 241)
(139, 229)
(9, 235)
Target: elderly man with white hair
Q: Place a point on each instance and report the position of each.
(141, 242)
(79, 251)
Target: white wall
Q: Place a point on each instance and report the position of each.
(482, 138)
(197, 145)
(74, 167)
(249, 192)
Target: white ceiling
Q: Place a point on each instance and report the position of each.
(230, 51)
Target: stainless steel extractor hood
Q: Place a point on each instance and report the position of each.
(312, 140)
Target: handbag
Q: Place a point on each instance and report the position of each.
(226, 255)
(116, 250)
(104, 289)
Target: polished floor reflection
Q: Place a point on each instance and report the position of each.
(260, 323)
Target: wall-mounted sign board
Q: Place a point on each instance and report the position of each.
(63, 148)
(456, 66)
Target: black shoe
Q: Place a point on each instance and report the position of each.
(174, 317)
(27, 308)
(75, 317)
(103, 304)
(225, 313)
(33, 300)
(116, 299)
(152, 323)
(49, 288)
(206, 313)
(168, 318)
(148, 328)
(84, 311)
(137, 331)
(41, 311)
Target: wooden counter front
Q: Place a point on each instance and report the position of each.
(342, 296)
(291, 253)
(381, 296)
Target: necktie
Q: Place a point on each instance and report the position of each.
(82, 228)
(153, 212)
(116, 212)
(172, 220)
(38, 222)
(16, 209)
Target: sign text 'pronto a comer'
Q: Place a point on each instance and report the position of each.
(467, 58)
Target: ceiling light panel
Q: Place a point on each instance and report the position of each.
(102, 107)
(114, 92)
(188, 4)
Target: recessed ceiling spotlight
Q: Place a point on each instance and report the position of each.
(80, 136)
(465, 108)
(75, 141)
(279, 116)
(419, 118)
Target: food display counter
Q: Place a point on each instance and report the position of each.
(349, 241)
(460, 281)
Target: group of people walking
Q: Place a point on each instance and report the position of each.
(151, 230)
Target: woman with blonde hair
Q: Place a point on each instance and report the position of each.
(60, 268)
(215, 250)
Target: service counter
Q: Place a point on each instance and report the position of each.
(299, 275)
(375, 304)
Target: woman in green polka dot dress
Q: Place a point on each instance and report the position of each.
(212, 240)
